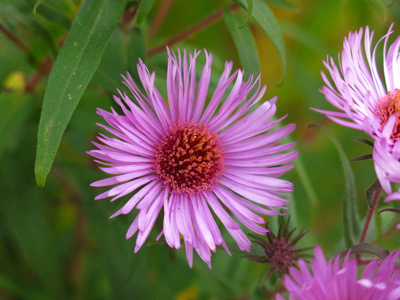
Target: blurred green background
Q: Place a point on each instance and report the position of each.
(56, 242)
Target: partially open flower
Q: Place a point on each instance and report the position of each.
(280, 252)
(367, 100)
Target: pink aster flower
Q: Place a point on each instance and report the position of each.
(333, 280)
(366, 99)
(387, 167)
(195, 156)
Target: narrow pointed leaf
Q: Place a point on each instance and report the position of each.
(143, 10)
(351, 223)
(283, 4)
(244, 42)
(249, 12)
(371, 190)
(263, 15)
(15, 107)
(50, 13)
(72, 71)
(7, 11)
(120, 56)
(379, 6)
(367, 248)
(364, 141)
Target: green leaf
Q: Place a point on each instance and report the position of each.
(305, 37)
(72, 71)
(38, 2)
(351, 223)
(51, 13)
(120, 56)
(379, 6)
(249, 12)
(10, 12)
(24, 215)
(15, 107)
(244, 42)
(143, 10)
(371, 191)
(263, 15)
(305, 180)
(282, 3)
(367, 248)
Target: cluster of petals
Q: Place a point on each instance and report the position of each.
(367, 100)
(335, 280)
(247, 187)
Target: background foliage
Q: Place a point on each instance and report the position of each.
(55, 241)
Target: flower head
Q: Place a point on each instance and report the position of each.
(195, 156)
(279, 250)
(333, 280)
(365, 99)
(387, 167)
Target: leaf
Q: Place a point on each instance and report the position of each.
(282, 3)
(20, 289)
(23, 213)
(371, 191)
(11, 12)
(364, 141)
(367, 248)
(120, 56)
(362, 157)
(51, 13)
(244, 42)
(394, 210)
(38, 2)
(249, 12)
(45, 35)
(143, 10)
(263, 15)
(379, 6)
(15, 107)
(305, 37)
(72, 71)
(351, 223)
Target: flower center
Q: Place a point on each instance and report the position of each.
(388, 106)
(280, 253)
(189, 158)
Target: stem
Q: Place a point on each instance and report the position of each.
(207, 21)
(371, 211)
(159, 18)
(14, 39)
(363, 261)
(129, 18)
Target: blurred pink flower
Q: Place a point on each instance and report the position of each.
(333, 280)
(195, 157)
(387, 167)
(367, 100)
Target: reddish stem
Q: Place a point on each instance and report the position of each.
(159, 18)
(371, 211)
(14, 39)
(44, 69)
(207, 21)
